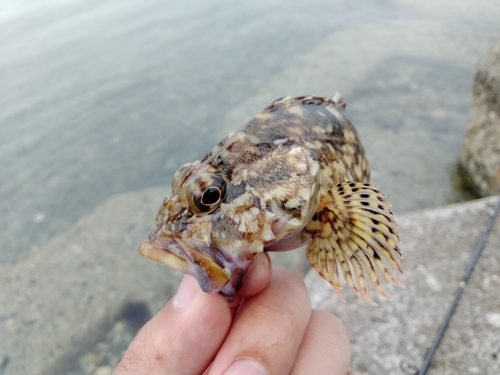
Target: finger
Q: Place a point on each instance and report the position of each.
(267, 329)
(257, 279)
(325, 348)
(191, 323)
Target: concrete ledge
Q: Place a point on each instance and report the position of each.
(437, 246)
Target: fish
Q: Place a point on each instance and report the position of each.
(295, 175)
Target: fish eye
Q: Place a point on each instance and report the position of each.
(211, 196)
(205, 193)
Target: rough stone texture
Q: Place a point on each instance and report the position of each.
(437, 246)
(481, 148)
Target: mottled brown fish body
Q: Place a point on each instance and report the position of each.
(316, 124)
(294, 174)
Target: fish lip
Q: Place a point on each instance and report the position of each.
(187, 256)
(150, 251)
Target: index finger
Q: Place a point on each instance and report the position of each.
(325, 348)
(267, 330)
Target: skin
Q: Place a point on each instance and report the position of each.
(269, 328)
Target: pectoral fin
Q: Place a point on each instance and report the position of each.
(354, 234)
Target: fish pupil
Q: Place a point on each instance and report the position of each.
(210, 196)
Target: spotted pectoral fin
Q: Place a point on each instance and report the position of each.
(354, 235)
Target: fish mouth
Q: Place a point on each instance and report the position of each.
(187, 257)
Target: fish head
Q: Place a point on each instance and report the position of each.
(230, 206)
(182, 234)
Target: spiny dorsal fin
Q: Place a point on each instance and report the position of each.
(354, 234)
(337, 101)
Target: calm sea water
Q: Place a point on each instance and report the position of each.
(103, 97)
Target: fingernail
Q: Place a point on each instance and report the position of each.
(185, 294)
(247, 366)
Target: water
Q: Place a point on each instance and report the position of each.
(102, 97)
(99, 98)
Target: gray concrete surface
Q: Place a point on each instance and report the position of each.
(56, 304)
(437, 246)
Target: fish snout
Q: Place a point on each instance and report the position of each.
(212, 276)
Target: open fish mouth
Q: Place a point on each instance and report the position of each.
(180, 255)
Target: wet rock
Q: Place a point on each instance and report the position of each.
(480, 154)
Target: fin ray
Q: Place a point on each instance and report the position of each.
(354, 234)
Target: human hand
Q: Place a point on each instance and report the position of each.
(270, 328)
